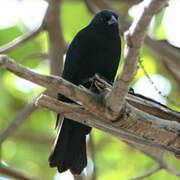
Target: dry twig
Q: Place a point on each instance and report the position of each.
(14, 174)
(161, 163)
(17, 122)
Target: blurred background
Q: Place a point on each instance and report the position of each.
(27, 150)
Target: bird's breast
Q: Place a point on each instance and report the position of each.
(101, 56)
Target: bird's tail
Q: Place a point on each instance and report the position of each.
(69, 151)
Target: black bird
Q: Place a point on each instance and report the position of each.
(95, 49)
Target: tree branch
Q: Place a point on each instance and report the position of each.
(19, 119)
(14, 174)
(147, 174)
(135, 132)
(135, 38)
(57, 45)
(18, 41)
(158, 159)
(133, 124)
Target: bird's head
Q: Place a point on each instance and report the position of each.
(105, 20)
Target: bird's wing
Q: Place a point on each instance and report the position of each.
(75, 56)
(73, 60)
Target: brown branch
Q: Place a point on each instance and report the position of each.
(18, 41)
(17, 122)
(135, 38)
(57, 46)
(14, 174)
(138, 132)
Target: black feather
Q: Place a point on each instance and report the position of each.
(95, 49)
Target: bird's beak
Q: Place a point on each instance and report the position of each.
(113, 20)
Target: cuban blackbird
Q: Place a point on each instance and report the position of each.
(94, 49)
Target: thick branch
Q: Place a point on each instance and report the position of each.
(141, 124)
(135, 38)
(137, 134)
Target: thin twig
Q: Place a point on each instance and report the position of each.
(35, 55)
(147, 174)
(161, 163)
(20, 40)
(19, 119)
(33, 139)
(14, 174)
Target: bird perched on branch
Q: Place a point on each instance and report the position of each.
(95, 49)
